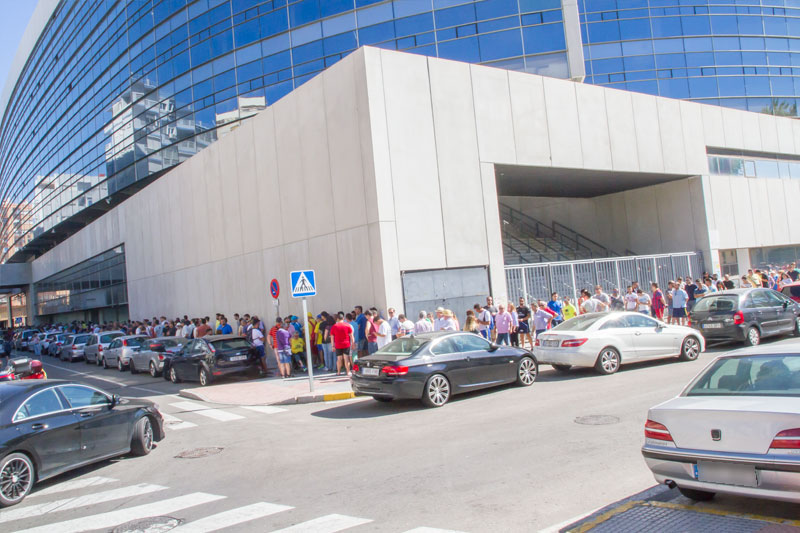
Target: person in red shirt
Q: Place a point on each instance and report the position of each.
(342, 334)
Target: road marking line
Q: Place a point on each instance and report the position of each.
(231, 518)
(721, 512)
(263, 409)
(431, 530)
(326, 524)
(216, 414)
(78, 501)
(173, 422)
(88, 375)
(114, 518)
(75, 484)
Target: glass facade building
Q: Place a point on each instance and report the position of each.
(116, 92)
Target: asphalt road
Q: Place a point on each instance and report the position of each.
(508, 459)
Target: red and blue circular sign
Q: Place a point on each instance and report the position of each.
(274, 288)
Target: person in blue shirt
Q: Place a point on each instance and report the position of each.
(224, 328)
(555, 305)
(361, 335)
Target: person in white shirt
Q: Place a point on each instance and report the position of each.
(257, 338)
(384, 333)
(439, 320)
(422, 325)
(631, 300)
(644, 301)
(593, 305)
(484, 319)
(405, 327)
(448, 323)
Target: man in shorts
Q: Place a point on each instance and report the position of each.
(343, 341)
(284, 351)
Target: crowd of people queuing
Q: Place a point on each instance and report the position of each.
(337, 340)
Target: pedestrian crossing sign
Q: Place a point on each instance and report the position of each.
(303, 283)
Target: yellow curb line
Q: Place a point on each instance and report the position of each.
(338, 396)
(678, 507)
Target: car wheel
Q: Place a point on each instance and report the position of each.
(527, 370)
(382, 399)
(173, 376)
(797, 326)
(16, 478)
(690, 350)
(562, 368)
(205, 379)
(120, 366)
(132, 367)
(153, 370)
(436, 392)
(752, 337)
(696, 495)
(607, 361)
(105, 363)
(142, 441)
(86, 360)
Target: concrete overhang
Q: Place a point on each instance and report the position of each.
(517, 180)
(14, 275)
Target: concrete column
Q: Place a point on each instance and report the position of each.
(31, 304)
(743, 259)
(572, 34)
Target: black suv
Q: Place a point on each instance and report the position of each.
(745, 315)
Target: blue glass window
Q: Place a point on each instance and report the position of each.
(334, 7)
(455, 16)
(411, 25)
(600, 32)
(544, 38)
(703, 87)
(634, 29)
(500, 45)
(404, 8)
(730, 85)
(375, 15)
(340, 43)
(698, 25)
(460, 50)
(303, 12)
(376, 34)
(666, 26)
(489, 9)
(273, 23)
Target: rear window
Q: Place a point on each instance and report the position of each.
(579, 323)
(231, 344)
(80, 339)
(105, 339)
(404, 346)
(793, 291)
(717, 303)
(762, 375)
(134, 342)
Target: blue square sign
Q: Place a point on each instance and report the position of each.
(303, 283)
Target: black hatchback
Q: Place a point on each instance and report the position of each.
(211, 357)
(745, 315)
(434, 366)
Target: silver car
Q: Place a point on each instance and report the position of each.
(98, 343)
(734, 429)
(74, 350)
(120, 350)
(152, 355)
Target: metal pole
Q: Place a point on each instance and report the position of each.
(524, 284)
(309, 364)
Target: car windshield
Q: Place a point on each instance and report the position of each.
(750, 375)
(80, 339)
(108, 337)
(403, 346)
(230, 344)
(134, 342)
(727, 302)
(793, 291)
(579, 323)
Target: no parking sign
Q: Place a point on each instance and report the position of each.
(274, 288)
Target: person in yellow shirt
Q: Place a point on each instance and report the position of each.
(568, 310)
(298, 348)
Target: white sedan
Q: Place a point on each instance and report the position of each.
(734, 429)
(607, 340)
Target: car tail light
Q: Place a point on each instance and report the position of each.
(536, 342)
(394, 370)
(573, 343)
(738, 318)
(124, 342)
(786, 440)
(654, 430)
(160, 357)
(100, 348)
(356, 368)
(217, 372)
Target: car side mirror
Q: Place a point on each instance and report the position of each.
(493, 347)
(115, 399)
(785, 305)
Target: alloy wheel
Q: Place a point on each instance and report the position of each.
(203, 377)
(754, 337)
(691, 348)
(153, 371)
(438, 390)
(148, 434)
(15, 479)
(119, 365)
(609, 361)
(173, 377)
(527, 371)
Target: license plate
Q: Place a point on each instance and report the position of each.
(238, 358)
(550, 344)
(712, 326)
(726, 474)
(370, 371)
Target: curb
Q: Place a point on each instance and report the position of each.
(313, 398)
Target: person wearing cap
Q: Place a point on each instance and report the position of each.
(448, 321)
(439, 320)
(617, 302)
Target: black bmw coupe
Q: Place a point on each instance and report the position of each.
(435, 366)
(51, 426)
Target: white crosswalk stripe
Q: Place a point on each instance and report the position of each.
(114, 518)
(75, 484)
(78, 501)
(173, 422)
(431, 530)
(263, 409)
(231, 518)
(216, 414)
(325, 524)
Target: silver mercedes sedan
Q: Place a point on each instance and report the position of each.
(735, 429)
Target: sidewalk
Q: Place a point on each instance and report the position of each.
(274, 391)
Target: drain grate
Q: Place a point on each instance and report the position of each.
(197, 453)
(597, 420)
(154, 524)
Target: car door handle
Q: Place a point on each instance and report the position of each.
(638, 333)
(87, 415)
(39, 426)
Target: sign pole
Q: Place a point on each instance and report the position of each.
(309, 364)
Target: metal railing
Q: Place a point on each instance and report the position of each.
(569, 277)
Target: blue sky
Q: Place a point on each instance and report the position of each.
(16, 14)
